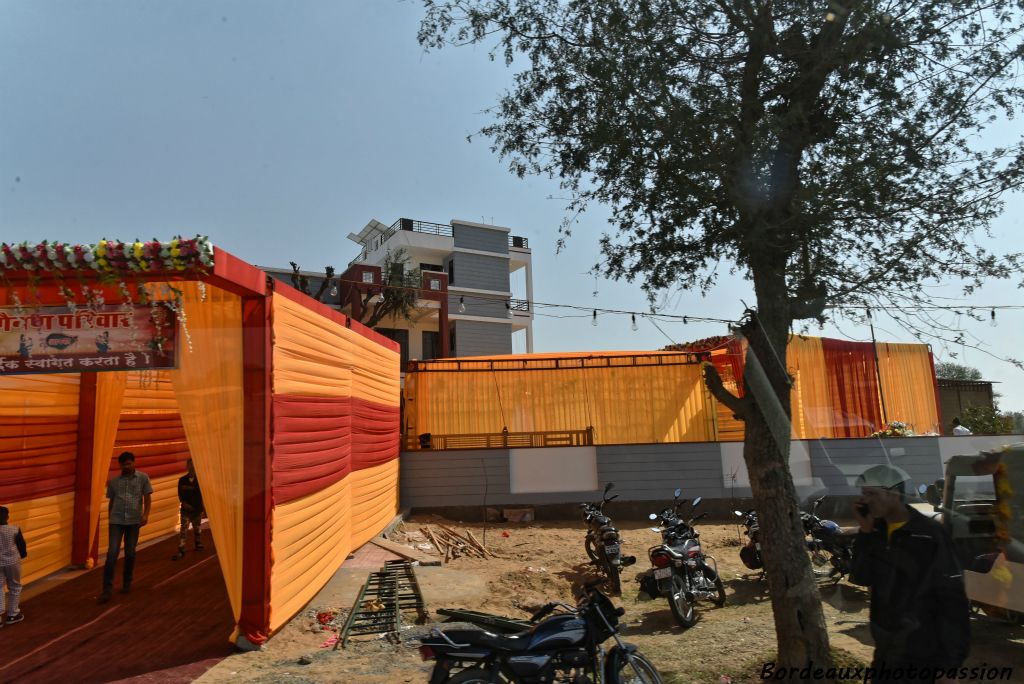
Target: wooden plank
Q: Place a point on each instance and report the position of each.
(403, 551)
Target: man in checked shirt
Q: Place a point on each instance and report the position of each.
(130, 495)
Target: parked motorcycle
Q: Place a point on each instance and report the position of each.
(681, 571)
(565, 647)
(750, 553)
(827, 543)
(603, 543)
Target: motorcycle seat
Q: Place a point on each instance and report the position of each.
(512, 643)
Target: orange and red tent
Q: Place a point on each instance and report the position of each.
(289, 409)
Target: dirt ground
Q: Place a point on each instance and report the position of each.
(540, 562)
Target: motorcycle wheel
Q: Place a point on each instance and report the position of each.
(589, 547)
(636, 669)
(682, 609)
(713, 577)
(475, 675)
(614, 581)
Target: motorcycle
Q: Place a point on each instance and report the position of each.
(750, 553)
(827, 543)
(603, 543)
(681, 571)
(564, 648)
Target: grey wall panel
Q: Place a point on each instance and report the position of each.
(466, 478)
(650, 472)
(838, 462)
(478, 305)
(484, 239)
(476, 338)
(480, 272)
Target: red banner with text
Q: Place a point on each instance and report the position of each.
(55, 339)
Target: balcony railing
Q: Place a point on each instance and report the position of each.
(442, 229)
(519, 304)
(500, 440)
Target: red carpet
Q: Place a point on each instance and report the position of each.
(172, 627)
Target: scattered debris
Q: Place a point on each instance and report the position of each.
(331, 641)
(306, 660)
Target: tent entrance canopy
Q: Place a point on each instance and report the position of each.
(59, 432)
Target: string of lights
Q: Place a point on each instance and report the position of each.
(594, 311)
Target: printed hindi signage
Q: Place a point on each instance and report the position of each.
(55, 339)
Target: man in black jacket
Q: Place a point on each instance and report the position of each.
(192, 509)
(920, 616)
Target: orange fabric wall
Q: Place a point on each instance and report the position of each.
(334, 465)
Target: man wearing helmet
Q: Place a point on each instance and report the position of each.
(919, 610)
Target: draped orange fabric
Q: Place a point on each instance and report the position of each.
(334, 465)
(208, 389)
(813, 415)
(908, 386)
(46, 523)
(853, 386)
(110, 390)
(665, 394)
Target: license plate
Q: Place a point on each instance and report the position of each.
(612, 549)
(662, 573)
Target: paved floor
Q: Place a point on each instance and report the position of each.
(173, 627)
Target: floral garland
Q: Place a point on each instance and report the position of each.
(110, 257)
(894, 428)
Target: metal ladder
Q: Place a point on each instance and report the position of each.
(378, 608)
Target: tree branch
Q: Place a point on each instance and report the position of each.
(740, 406)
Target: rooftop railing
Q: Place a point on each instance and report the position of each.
(427, 227)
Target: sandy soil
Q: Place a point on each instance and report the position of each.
(540, 562)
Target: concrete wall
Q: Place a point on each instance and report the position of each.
(650, 472)
(484, 239)
(476, 338)
(477, 305)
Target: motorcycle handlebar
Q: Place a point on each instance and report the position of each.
(543, 612)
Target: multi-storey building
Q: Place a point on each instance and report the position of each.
(465, 304)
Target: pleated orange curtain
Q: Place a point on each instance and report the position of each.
(38, 451)
(811, 400)
(851, 377)
(629, 399)
(208, 386)
(908, 385)
(110, 387)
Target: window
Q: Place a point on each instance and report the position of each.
(438, 268)
(397, 274)
(451, 271)
(451, 341)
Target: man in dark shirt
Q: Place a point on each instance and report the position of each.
(191, 499)
(920, 616)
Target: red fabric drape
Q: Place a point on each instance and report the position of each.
(853, 386)
(373, 433)
(312, 444)
(37, 456)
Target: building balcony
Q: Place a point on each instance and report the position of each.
(423, 227)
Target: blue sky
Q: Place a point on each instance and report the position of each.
(276, 128)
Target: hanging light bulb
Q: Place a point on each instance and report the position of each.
(462, 305)
(334, 289)
(992, 319)
(635, 326)
(593, 321)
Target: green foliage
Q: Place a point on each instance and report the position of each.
(954, 371)
(823, 149)
(397, 298)
(983, 420)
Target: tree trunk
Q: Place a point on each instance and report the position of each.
(796, 604)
